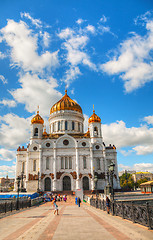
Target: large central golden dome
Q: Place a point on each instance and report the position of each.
(66, 103)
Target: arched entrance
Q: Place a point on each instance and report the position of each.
(47, 184)
(85, 183)
(66, 183)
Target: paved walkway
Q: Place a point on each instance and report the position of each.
(72, 223)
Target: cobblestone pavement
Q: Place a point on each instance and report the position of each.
(71, 223)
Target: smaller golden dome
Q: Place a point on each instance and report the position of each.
(37, 119)
(94, 118)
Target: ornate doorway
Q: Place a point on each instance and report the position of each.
(66, 183)
(85, 183)
(47, 184)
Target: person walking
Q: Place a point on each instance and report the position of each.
(78, 201)
(107, 205)
(55, 207)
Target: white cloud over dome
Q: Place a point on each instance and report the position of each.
(36, 91)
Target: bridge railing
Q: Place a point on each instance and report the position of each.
(17, 204)
(137, 213)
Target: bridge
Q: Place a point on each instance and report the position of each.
(86, 222)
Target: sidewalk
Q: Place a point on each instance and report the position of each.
(72, 223)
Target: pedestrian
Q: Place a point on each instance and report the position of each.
(55, 207)
(78, 201)
(107, 205)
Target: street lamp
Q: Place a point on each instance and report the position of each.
(18, 190)
(95, 187)
(111, 171)
(38, 190)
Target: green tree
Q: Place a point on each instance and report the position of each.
(126, 181)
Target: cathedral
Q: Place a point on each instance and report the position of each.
(66, 158)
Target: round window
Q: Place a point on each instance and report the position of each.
(47, 144)
(65, 142)
(97, 147)
(35, 148)
(83, 144)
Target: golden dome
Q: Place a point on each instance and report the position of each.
(37, 119)
(66, 103)
(94, 118)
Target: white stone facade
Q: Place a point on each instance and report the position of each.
(66, 158)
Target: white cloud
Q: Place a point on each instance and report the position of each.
(71, 74)
(66, 33)
(3, 79)
(143, 150)
(35, 91)
(85, 122)
(138, 167)
(46, 39)
(9, 103)
(133, 61)
(7, 170)
(149, 119)
(75, 44)
(91, 29)
(103, 19)
(7, 155)
(2, 55)
(36, 22)
(79, 21)
(14, 130)
(24, 46)
(117, 133)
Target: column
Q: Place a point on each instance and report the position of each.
(54, 168)
(40, 165)
(27, 168)
(92, 167)
(77, 167)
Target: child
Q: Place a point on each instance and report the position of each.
(56, 207)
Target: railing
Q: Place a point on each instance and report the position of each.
(17, 204)
(142, 214)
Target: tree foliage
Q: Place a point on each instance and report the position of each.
(127, 183)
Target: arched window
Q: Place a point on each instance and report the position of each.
(66, 162)
(59, 125)
(23, 167)
(95, 131)
(36, 132)
(79, 127)
(70, 162)
(47, 162)
(84, 162)
(98, 163)
(65, 125)
(73, 125)
(62, 163)
(34, 165)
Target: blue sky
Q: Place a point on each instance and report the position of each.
(100, 50)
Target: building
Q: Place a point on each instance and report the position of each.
(126, 172)
(140, 175)
(6, 184)
(147, 187)
(66, 158)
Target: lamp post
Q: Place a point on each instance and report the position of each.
(38, 190)
(95, 188)
(18, 190)
(111, 171)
